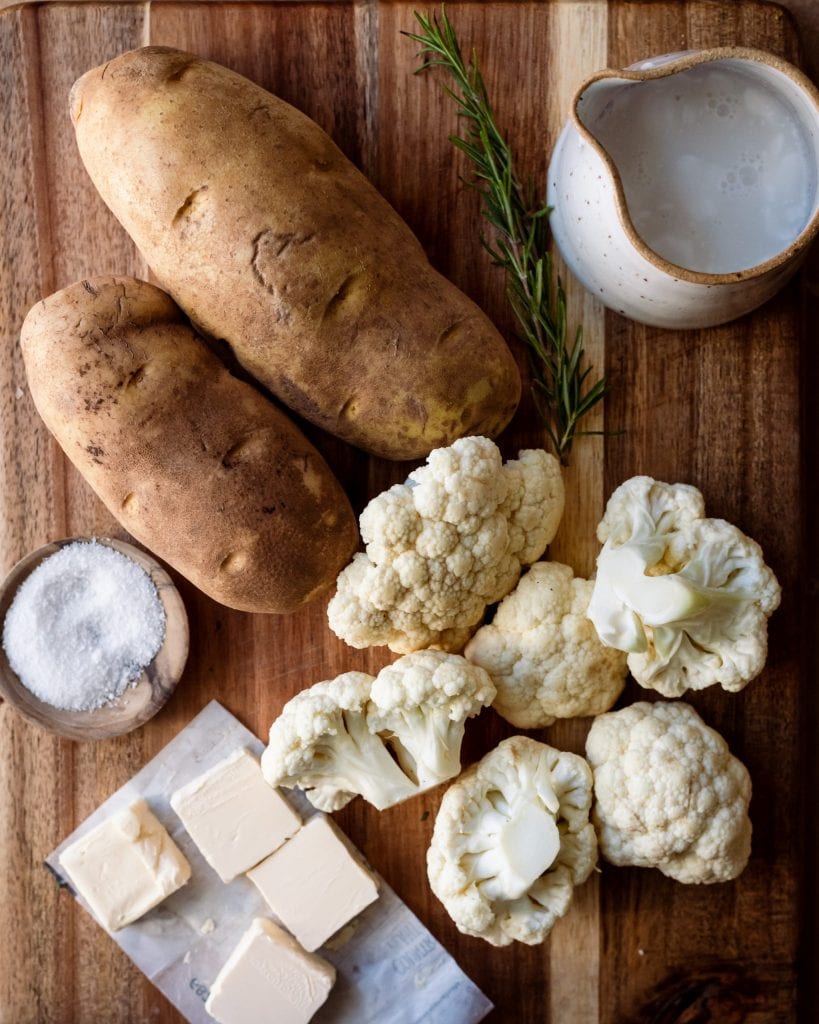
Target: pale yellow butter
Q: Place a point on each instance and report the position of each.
(234, 817)
(125, 866)
(313, 884)
(269, 979)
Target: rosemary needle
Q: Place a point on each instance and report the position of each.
(561, 386)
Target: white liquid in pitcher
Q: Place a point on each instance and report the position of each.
(718, 173)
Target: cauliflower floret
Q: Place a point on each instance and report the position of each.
(321, 742)
(669, 793)
(386, 738)
(423, 701)
(543, 653)
(511, 840)
(443, 546)
(687, 597)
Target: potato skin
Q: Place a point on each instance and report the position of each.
(268, 237)
(194, 463)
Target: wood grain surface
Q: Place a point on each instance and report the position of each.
(717, 408)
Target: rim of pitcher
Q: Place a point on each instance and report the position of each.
(682, 63)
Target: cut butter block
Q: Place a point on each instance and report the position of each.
(125, 866)
(269, 979)
(234, 817)
(313, 884)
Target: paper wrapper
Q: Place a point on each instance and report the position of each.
(390, 968)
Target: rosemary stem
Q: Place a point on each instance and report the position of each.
(561, 386)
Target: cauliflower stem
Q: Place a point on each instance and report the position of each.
(422, 702)
(385, 738)
(688, 598)
(362, 762)
(427, 744)
(511, 840)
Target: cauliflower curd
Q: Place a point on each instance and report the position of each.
(385, 738)
(444, 545)
(544, 655)
(511, 840)
(669, 793)
(687, 597)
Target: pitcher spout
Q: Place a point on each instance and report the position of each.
(684, 189)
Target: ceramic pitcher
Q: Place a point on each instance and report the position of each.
(645, 273)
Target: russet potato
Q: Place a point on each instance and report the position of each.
(194, 463)
(268, 237)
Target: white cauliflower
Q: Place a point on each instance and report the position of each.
(422, 702)
(385, 738)
(511, 840)
(687, 597)
(669, 793)
(443, 546)
(544, 655)
(321, 742)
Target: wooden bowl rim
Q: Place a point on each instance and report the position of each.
(142, 700)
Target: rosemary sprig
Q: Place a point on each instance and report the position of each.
(562, 389)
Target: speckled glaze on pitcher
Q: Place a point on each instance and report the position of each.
(595, 231)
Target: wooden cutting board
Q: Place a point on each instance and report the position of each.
(717, 408)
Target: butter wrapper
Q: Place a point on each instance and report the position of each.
(390, 969)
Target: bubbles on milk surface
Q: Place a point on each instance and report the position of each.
(718, 173)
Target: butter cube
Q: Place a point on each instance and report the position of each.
(313, 884)
(125, 866)
(234, 817)
(268, 977)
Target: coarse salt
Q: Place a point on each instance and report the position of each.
(83, 626)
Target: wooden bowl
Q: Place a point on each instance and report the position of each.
(141, 700)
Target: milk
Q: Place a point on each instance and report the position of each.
(718, 173)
